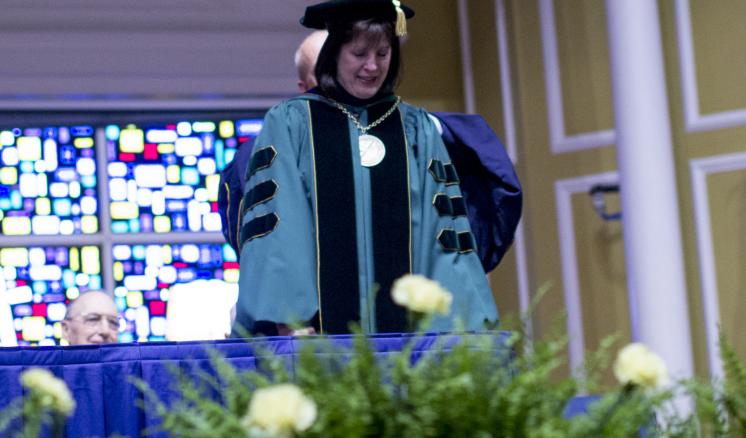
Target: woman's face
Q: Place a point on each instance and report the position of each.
(363, 65)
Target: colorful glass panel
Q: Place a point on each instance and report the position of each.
(164, 178)
(143, 275)
(38, 284)
(48, 181)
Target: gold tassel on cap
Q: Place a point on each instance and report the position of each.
(401, 19)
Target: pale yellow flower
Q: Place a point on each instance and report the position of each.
(279, 411)
(420, 294)
(637, 365)
(53, 392)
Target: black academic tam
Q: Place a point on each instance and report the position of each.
(317, 16)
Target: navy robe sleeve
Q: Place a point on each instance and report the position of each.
(230, 194)
(445, 249)
(490, 186)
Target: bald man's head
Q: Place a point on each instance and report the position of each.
(91, 319)
(305, 59)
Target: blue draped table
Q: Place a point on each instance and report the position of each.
(107, 403)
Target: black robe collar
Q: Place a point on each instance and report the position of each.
(345, 98)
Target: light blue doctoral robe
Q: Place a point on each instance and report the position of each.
(279, 278)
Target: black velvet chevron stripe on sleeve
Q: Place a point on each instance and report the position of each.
(261, 193)
(451, 241)
(458, 205)
(437, 170)
(262, 159)
(259, 226)
(451, 174)
(466, 242)
(453, 207)
(443, 204)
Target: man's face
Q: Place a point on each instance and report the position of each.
(308, 81)
(93, 321)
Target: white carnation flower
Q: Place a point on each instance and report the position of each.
(421, 294)
(53, 391)
(279, 411)
(637, 365)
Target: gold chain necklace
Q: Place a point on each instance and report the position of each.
(372, 150)
(364, 129)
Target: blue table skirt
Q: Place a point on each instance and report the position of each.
(107, 403)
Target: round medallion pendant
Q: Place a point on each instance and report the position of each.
(372, 150)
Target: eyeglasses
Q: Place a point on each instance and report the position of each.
(94, 319)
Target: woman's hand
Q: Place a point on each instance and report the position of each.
(284, 330)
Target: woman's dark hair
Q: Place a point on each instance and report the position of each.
(344, 32)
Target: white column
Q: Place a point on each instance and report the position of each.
(652, 234)
(467, 68)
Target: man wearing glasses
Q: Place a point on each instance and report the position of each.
(91, 319)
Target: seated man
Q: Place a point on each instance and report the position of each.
(91, 319)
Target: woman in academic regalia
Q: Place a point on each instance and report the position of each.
(349, 188)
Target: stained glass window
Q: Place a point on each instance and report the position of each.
(161, 175)
(164, 178)
(48, 181)
(40, 281)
